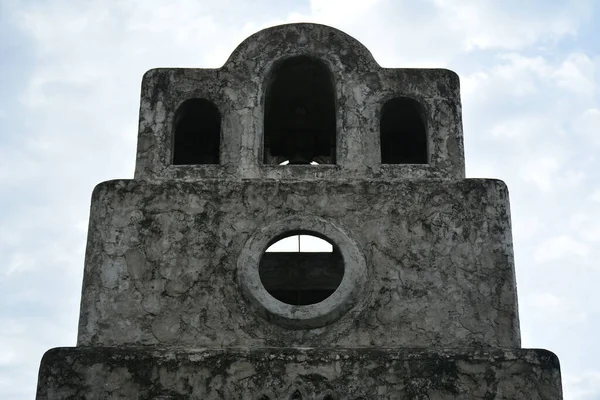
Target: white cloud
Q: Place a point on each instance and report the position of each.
(542, 171)
(520, 76)
(577, 74)
(490, 24)
(524, 130)
(560, 247)
(547, 301)
(550, 305)
(587, 126)
(582, 387)
(341, 11)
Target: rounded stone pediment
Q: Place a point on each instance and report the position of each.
(289, 40)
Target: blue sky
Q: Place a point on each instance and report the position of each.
(70, 75)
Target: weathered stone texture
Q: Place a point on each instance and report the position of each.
(299, 374)
(173, 306)
(161, 262)
(361, 89)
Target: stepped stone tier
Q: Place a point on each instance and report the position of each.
(300, 134)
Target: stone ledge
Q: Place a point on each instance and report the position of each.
(288, 373)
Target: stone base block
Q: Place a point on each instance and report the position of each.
(307, 373)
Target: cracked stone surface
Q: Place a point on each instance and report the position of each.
(170, 306)
(361, 89)
(161, 262)
(302, 374)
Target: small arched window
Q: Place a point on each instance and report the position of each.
(197, 133)
(300, 113)
(403, 132)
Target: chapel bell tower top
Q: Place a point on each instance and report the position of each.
(403, 282)
(301, 102)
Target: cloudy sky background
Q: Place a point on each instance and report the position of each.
(70, 75)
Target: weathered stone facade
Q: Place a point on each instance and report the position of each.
(174, 301)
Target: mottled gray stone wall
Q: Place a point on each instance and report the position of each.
(361, 89)
(426, 308)
(298, 374)
(162, 262)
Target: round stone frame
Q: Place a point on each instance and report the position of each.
(306, 316)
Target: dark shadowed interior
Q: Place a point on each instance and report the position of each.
(300, 117)
(197, 133)
(303, 277)
(403, 132)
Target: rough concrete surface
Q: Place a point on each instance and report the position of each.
(238, 90)
(174, 305)
(162, 259)
(298, 374)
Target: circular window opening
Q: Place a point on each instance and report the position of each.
(300, 268)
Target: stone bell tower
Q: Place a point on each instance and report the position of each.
(301, 132)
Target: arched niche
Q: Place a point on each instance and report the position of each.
(197, 133)
(403, 132)
(300, 122)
